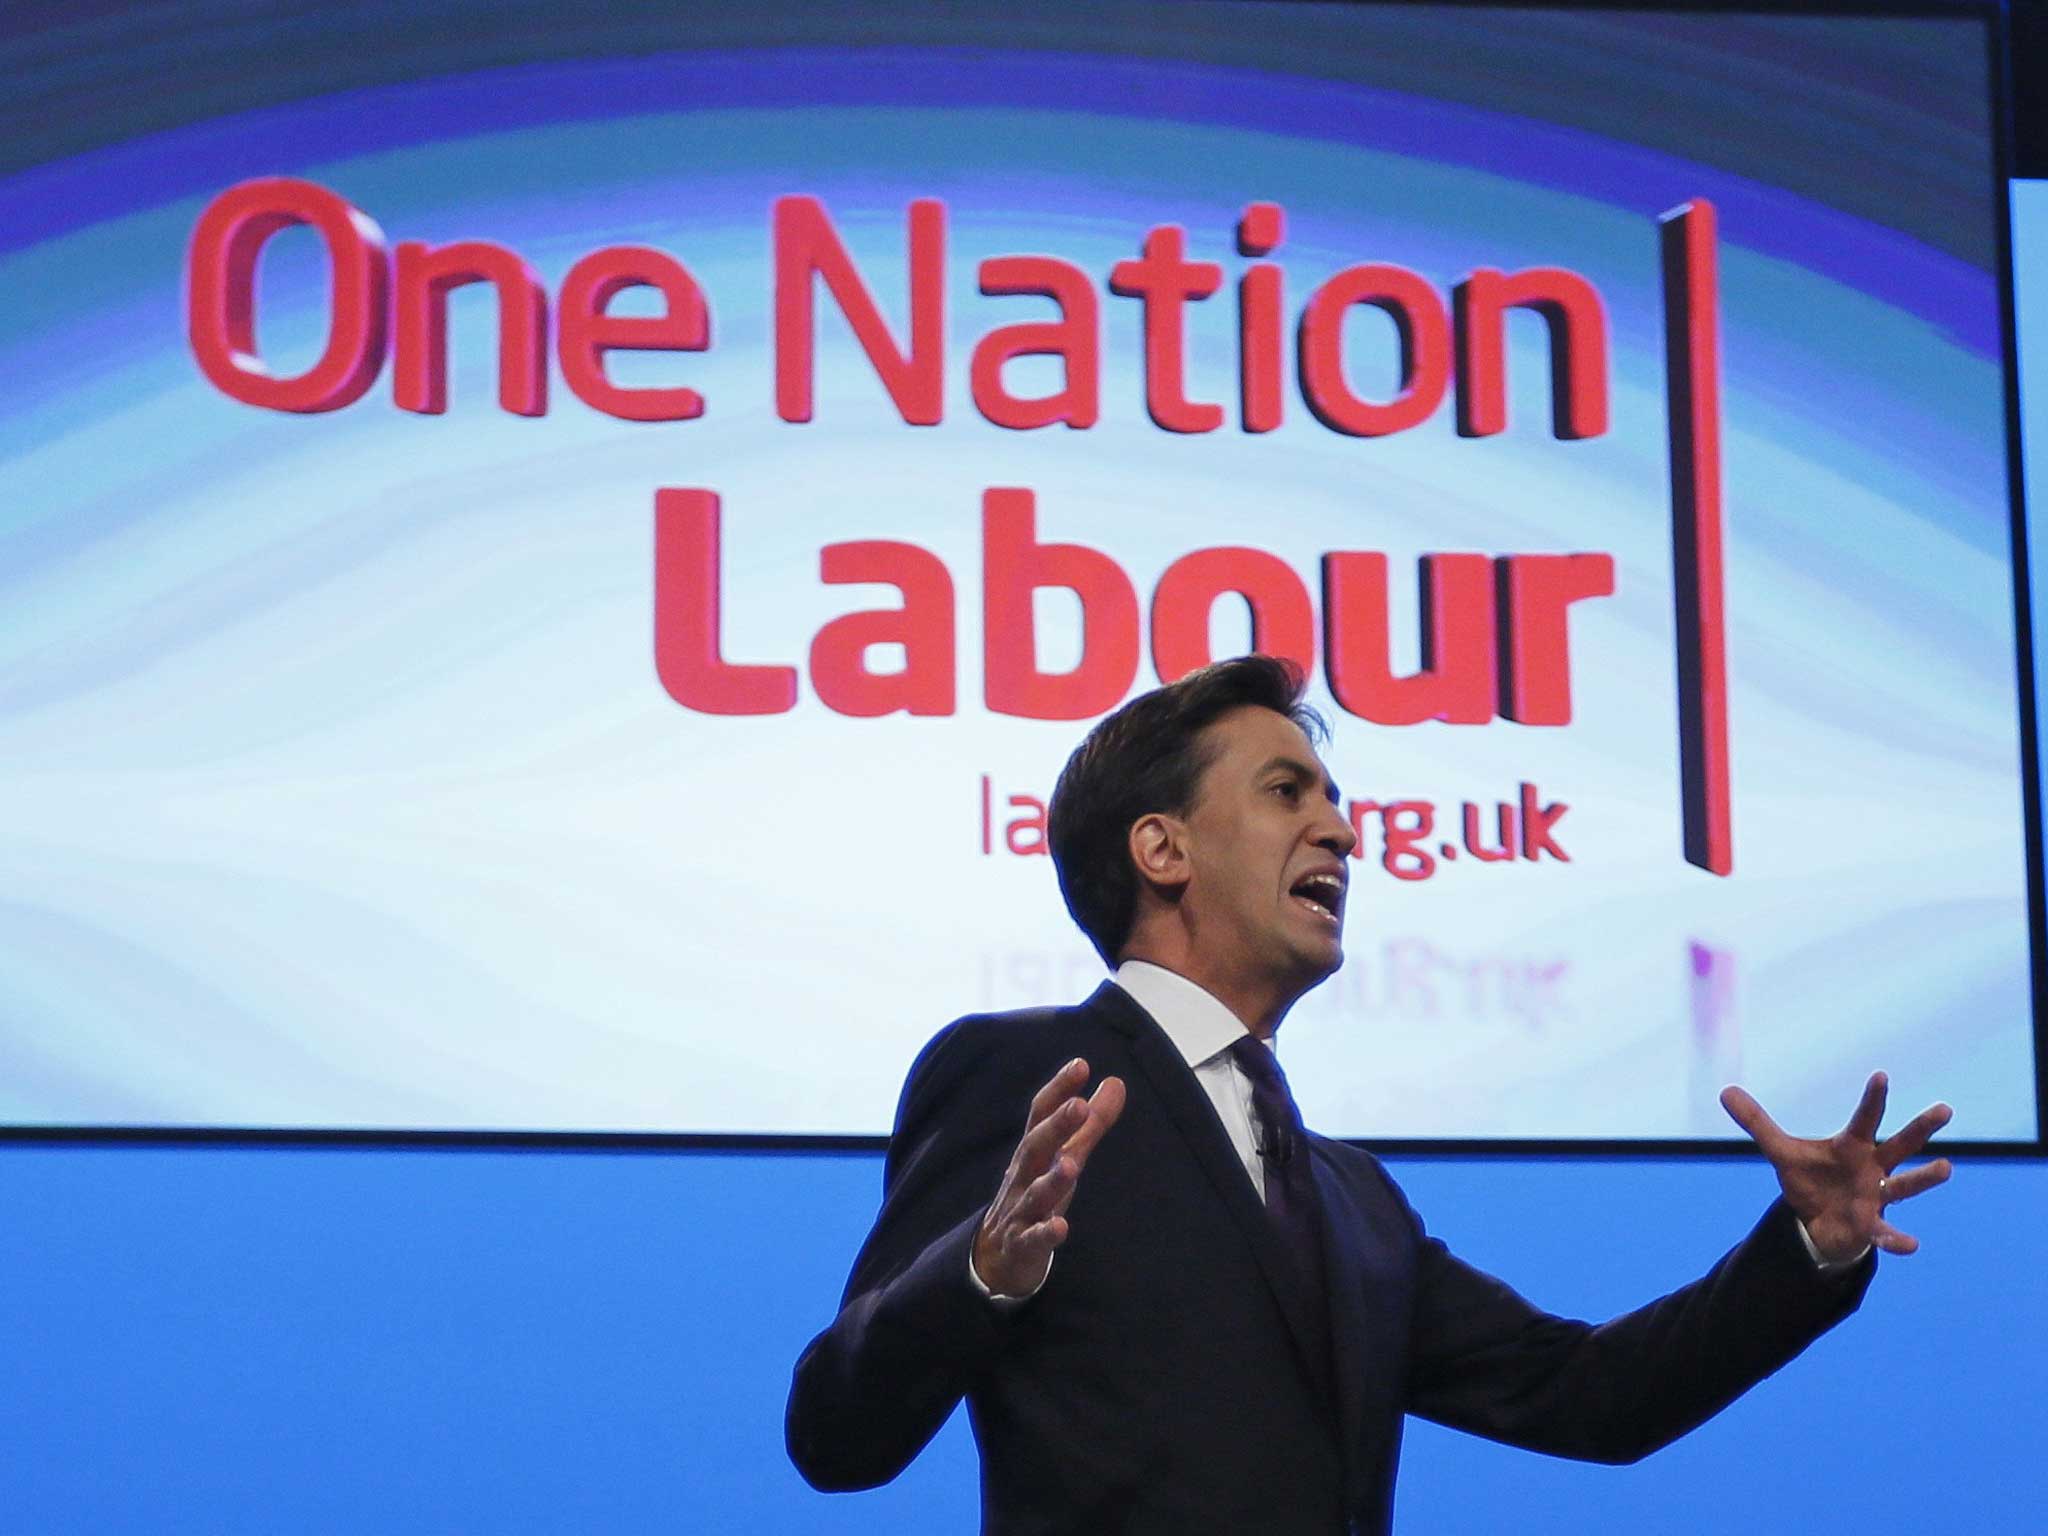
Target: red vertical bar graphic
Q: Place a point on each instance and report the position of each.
(1692, 368)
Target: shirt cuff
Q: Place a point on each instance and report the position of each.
(1825, 1266)
(1002, 1303)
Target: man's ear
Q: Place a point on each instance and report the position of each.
(1158, 845)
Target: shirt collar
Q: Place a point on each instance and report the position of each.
(1198, 1025)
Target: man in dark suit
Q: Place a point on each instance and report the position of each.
(1241, 1312)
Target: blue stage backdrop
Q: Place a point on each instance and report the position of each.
(532, 536)
(414, 1343)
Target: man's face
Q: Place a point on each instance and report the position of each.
(1267, 850)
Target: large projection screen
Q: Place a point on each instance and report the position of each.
(551, 560)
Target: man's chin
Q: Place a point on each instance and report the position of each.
(1319, 963)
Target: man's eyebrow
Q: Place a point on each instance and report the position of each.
(1303, 773)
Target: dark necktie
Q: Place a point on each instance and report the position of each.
(1291, 1200)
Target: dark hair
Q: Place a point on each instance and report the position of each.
(1148, 757)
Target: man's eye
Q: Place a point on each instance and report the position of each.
(1288, 788)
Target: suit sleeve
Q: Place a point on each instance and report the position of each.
(1485, 1360)
(912, 1331)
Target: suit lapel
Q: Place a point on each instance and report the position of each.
(1188, 1108)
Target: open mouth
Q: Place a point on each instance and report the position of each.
(1322, 894)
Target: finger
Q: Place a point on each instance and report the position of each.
(1047, 1235)
(1917, 1181)
(1064, 1084)
(1911, 1137)
(1047, 1195)
(1035, 1243)
(1104, 1106)
(1747, 1113)
(1892, 1240)
(1869, 1109)
(1041, 1144)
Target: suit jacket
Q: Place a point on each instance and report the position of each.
(1160, 1380)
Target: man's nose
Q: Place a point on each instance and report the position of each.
(1336, 832)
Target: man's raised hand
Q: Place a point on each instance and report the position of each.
(1839, 1187)
(1028, 1218)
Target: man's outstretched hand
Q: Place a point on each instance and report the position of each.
(1839, 1187)
(1028, 1218)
